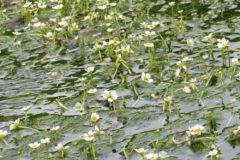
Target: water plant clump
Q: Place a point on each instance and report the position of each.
(127, 79)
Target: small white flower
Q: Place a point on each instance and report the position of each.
(94, 117)
(83, 79)
(27, 4)
(79, 107)
(16, 33)
(34, 145)
(171, 4)
(89, 136)
(90, 69)
(3, 133)
(208, 37)
(15, 124)
(222, 43)
(149, 33)
(25, 108)
(185, 59)
(61, 148)
(190, 42)
(92, 91)
(17, 43)
(102, 7)
(109, 30)
(57, 7)
(97, 131)
(237, 131)
(141, 151)
(50, 35)
(45, 141)
(213, 152)
(98, 47)
(205, 56)
(55, 128)
(149, 45)
(235, 60)
(146, 77)
(110, 95)
(152, 156)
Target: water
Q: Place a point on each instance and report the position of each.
(25, 80)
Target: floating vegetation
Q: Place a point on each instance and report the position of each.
(112, 80)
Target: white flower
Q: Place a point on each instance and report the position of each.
(27, 4)
(17, 43)
(205, 56)
(109, 30)
(15, 124)
(168, 99)
(55, 128)
(185, 59)
(90, 69)
(61, 148)
(41, 5)
(98, 47)
(89, 136)
(213, 152)
(150, 45)
(144, 24)
(45, 141)
(25, 108)
(79, 107)
(50, 35)
(141, 151)
(97, 131)
(180, 12)
(139, 37)
(74, 26)
(152, 156)
(237, 131)
(126, 49)
(34, 145)
(3, 133)
(208, 37)
(95, 117)
(63, 23)
(222, 43)
(195, 130)
(235, 60)
(187, 89)
(60, 6)
(190, 42)
(171, 4)
(102, 7)
(149, 33)
(92, 91)
(83, 79)
(146, 77)
(58, 29)
(110, 95)
(16, 33)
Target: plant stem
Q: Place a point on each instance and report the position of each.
(36, 153)
(157, 136)
(24, 127)
(4, 141)
(93, 152)
(55, 136)
(46, 151)
(25, 115)
(94, 101)
(125, 154)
